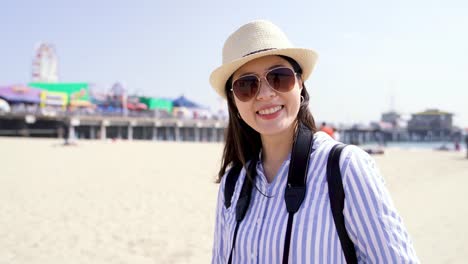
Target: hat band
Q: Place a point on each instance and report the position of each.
(257, 51)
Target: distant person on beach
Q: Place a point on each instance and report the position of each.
(327, 129)
(66, 134)
(466, 145)
(265, 214)
(457, 145)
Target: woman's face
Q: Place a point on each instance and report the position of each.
(269, 112)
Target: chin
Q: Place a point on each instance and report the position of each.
(272, 129)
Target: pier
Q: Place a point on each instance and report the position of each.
(147, 126)
(111, 127)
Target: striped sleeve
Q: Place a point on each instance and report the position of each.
(371, 218)
(217, 253)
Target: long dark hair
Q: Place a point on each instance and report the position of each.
(242, 141)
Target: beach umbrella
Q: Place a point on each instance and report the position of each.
(81, 103)
(141, 106)
(184, 102)
(131, 106)
(136, 106)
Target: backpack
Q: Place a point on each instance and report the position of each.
(295, 191)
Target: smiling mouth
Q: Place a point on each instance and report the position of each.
(270, 110)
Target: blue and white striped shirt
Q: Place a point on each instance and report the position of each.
(371, 219)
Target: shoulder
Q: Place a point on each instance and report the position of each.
(322, 145)
(354, 161)
(323, 142)
(360, 172)
(354, 155)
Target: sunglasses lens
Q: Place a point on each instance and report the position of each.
(246, 87)
(281, 79)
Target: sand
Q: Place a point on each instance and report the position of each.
(153, 202)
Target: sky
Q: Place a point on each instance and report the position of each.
(374, 56)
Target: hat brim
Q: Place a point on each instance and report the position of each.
(306, 58)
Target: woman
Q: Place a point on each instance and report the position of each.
(262, 77)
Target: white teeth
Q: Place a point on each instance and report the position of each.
(270, 110)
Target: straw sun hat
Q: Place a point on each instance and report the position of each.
(254, 40)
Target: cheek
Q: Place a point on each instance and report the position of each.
(295, 102)
(246, 113)
(243, 108)
(294, 110)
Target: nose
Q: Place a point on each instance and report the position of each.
(265, 90)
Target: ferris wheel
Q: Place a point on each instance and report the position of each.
(44, 65)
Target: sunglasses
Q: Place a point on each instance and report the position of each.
(280, 79)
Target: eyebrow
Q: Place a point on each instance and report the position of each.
(270, 68)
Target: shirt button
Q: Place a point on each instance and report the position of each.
(252, 255)
(259, 221)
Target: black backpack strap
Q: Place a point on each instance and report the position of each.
(297, 177)
(243, 201)
(336, 193)
(246, 191)
(230, 184)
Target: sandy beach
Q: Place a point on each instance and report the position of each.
(153, 202)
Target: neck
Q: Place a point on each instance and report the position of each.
(275, 149)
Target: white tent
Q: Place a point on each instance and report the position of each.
(4, 106)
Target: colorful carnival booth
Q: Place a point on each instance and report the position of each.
(157, 103)
(75, 91)
(21, 98)
(20, 94)
(54, 100)
(77, 94)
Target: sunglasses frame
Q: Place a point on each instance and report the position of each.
(260, 81)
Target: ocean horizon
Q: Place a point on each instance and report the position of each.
(416, 145)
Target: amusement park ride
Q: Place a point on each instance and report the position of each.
(48, 107)
(44, 65)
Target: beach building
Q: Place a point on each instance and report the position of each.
(430, 125)
(391, 117)
(394, 126)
